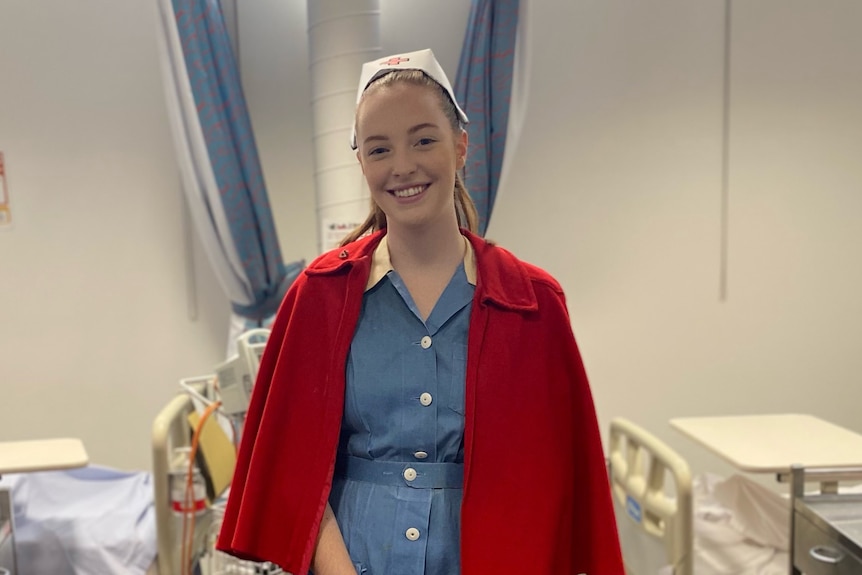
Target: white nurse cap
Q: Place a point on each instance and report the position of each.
(420, 60)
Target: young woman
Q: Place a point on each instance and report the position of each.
(421, 407)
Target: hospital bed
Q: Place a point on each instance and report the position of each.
(673, 524)
(655, 520)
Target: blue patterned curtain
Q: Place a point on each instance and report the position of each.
(221, 172)
(483, 86)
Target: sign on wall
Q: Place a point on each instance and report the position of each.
(5, 210)
(334, 231)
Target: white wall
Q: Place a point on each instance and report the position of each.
(94, 328)
(616, 185)
(614, 188)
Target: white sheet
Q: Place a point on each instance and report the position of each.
(89, 521)
(741, 527)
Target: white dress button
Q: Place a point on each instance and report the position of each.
(426, 399)
(425, 342)
(409, 474)
(412, 534)
(420, 455)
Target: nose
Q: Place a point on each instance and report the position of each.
(403, 163)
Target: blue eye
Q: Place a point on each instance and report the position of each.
(425, 141)
(376, 151)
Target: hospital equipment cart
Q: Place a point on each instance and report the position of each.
(826, 525)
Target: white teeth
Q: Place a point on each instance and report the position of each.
(409, 192)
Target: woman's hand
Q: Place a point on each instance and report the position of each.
(330, 554)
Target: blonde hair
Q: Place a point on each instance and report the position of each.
(464, 206)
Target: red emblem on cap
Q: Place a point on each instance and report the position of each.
(394, 61)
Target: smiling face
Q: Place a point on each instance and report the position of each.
(409, 152)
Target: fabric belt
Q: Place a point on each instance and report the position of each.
(419, 475)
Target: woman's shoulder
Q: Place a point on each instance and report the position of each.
(513, 283)
(324, 279)
(505, 263)
(337, 257)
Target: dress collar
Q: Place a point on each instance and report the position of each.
(382, 265)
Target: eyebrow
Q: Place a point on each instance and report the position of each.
(418, 127)
(411, 131)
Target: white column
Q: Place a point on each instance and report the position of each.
(341, 36)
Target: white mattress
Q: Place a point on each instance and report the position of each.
(89, 521)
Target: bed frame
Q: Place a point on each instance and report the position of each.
(652, 492)
(170, 430)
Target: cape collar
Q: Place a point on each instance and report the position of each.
(501, 278)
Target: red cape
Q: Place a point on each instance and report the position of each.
(536, 496)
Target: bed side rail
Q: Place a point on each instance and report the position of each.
(639, 465)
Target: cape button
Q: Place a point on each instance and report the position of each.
(343, 255)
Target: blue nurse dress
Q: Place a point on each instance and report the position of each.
(397, 486)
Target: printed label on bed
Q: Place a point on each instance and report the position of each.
(633, 508)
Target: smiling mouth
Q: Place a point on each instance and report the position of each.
(409, 192)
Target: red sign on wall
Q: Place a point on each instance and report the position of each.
(5, 210)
